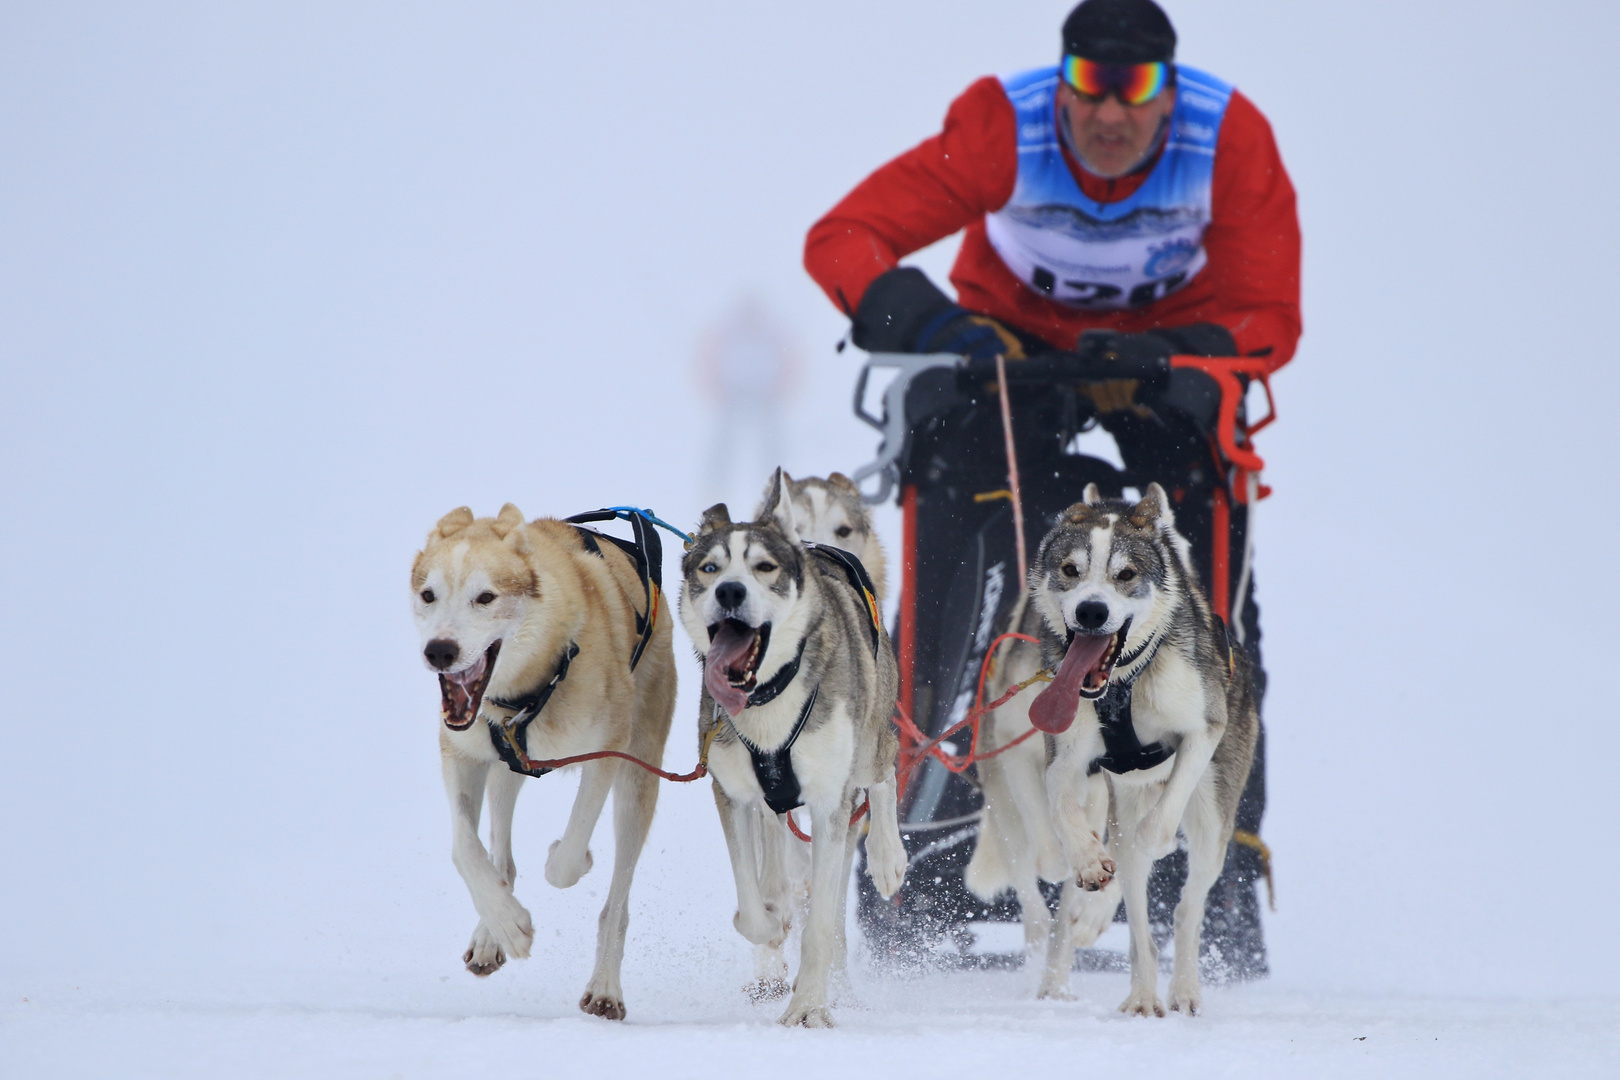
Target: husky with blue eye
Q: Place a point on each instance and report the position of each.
(1149, 697)
(799, 684)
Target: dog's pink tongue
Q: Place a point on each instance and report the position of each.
(1054, 708)
(727, 649)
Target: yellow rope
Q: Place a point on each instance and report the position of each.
(1250, 840)
(988, 496)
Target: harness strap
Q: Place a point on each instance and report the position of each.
(1123, 751)
(774, 768)
(860, 580)
(771, 690)
(509, 736)
(646, 551)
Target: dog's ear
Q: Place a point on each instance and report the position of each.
(1076, 514)
(508, 519)
(1092, 495)
(1153, 510)
(838, 479)
(714, 517)
(779, 505)
(452, 523)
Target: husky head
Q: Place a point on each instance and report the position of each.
(832, 512)
(741, 598)
(472, 584)
(1101, 580)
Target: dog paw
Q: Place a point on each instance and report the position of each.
(885, 863)
(762, 990)
(765, 925)
(1054, 991)
(1095, 874)
(806, 1015)
(484, 956)
(564, 868)
(606, 1006)
(1142, 1003)
(508, 926)
(1186, 997)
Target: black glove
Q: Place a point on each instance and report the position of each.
(1186, 390)
(902, 311)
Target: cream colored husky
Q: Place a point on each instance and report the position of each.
(539, 620)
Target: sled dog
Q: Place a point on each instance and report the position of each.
(799, 683)
(536, 623)
(1148, 694)
(829, 512)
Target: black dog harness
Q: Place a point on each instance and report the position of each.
(646, 550)
(774, 768)
(510, 737)
(1123, 751)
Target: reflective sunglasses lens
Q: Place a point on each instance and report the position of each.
(1136, 84)
(1141, 83)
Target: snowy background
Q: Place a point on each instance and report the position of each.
(282, 283)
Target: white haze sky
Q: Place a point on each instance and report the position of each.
(282, 283)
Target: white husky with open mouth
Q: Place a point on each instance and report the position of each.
(537, 624)
(798, 689)
(1149, 695)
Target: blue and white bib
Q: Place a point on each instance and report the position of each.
(1076, 251)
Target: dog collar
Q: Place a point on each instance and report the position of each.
(771, 690)
(510, 735)
(774, 768)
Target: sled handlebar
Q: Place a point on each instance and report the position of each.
(1230, 374)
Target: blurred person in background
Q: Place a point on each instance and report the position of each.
(1118, 205)
(746, 365)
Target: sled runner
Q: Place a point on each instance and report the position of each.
(944, 457)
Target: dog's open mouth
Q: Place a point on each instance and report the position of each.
(462, 693)
(731, 667)
(1087, 666)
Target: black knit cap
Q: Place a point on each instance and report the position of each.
(1119, 32)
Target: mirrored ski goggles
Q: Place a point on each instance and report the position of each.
(1136, 84)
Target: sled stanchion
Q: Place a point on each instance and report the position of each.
(1012, 474)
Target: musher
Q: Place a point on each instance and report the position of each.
(1118, 205)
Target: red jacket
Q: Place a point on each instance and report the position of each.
(951, 181)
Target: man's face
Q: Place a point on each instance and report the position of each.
(1112, 138)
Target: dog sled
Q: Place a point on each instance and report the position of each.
(979, 464)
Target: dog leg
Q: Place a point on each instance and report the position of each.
(1134, 867)
(771, 839)
(1156, 833)
(504, 927)
(570, 857)
(840, 991)
(1091, 912)
(1067, 787)
(829, 832)
(1206, 855)
(484, 955)
(1024, 767)
(753, 919)
(885, 851)
(635, 797)
(1060, 946)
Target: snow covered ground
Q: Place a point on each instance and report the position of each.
(281, 284)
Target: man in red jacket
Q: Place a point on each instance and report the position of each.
(1098, 156)
(1117, 205)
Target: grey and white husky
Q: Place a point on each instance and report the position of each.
(1149, 694)
(798, 688)
(831, 512)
